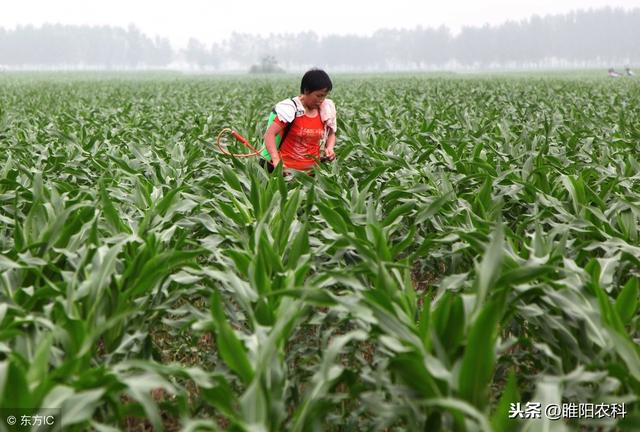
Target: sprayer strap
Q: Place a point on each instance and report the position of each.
(287, 128)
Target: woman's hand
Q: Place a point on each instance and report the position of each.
(328, 152)
(328, 148)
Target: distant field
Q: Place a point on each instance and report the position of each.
(475, 245)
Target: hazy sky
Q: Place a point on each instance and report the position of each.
(212, 21)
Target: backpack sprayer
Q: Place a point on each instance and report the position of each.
(263, 151)
(252, 150)
(279, 139)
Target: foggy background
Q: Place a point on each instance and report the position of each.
(604, 37)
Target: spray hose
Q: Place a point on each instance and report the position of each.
(240, 138)
(248, 145)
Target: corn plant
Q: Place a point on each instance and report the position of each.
(474, 246)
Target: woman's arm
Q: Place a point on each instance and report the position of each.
(270, 142)
(328, 147)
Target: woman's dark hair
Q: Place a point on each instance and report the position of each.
(315, 79)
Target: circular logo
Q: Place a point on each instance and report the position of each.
(11, 420)
(553, 412)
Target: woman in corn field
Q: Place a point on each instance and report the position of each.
(297, 126)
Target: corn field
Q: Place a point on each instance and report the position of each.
(474, 246)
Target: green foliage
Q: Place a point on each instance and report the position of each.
(475, 244)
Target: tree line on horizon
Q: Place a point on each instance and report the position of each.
(603, 36)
